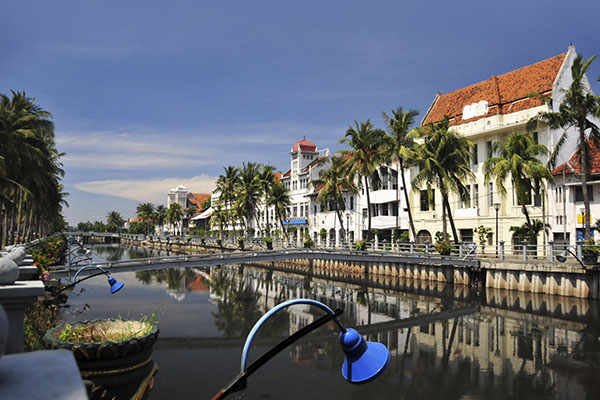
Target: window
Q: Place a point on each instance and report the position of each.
(424, 200)
(394, 179)
(579, 193)
(475, 155)
(488, 149)
(465, 198)
(384, 209)
(306, 209)
(394, 207)
(352, 202)
(365, 213)
(535, 137)
(491, 194)
(295, 212)
(476, 196)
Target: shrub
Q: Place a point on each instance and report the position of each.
(309, 243)
(443, 247)
(361, 245)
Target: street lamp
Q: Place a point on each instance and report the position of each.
(115, 285)
(582, 210)
(497, 208)
(348, 228)
(364, 360)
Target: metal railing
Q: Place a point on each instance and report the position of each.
(466, 250)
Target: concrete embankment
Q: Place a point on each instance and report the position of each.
(534, 276)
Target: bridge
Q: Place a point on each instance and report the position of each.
(265, 256)
(97, 237)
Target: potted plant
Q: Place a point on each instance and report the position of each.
(308, 243)
(269, 242)
(443, 247)
(241, 243)
(115, 356)
(361, 245)
(323, 235)
(590, 251)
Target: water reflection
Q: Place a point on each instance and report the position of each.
(445, 341)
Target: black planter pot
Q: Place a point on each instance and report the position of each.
(269, 245)
(119, 370)
(590, 257)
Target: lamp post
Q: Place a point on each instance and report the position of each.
(364, 360)
(582, 210)
(497, 208)
(115, 285)
(348, 228)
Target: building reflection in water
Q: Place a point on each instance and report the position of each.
(494, 344)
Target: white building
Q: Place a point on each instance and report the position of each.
(486, 112)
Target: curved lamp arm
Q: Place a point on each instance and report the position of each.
(87, 267)
(271, 312)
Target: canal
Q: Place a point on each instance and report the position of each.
(462, 343)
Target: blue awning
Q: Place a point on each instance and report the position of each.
(295, 222)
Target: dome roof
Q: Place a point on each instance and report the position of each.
(305, 145)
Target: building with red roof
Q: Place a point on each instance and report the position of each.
(486, 112)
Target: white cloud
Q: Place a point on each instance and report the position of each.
(147, 190)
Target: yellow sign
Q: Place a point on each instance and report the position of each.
(580, 218)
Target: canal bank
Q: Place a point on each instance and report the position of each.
(541, 276)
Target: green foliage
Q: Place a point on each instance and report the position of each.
(590, 246)
(482, 233)
(361, 245)
(268, 240)
(309, 243)
(443, 247)
(99, 331)
(49, 252)
(39, 318)
(323, 234)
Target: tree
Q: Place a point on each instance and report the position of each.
(174, 214)
(248, 192)
(279, 199)
(575, 110)
(330, 184)
(521, 232)
(31, 196)
(227, 185)
(444, 161)
(266, 182)
(362, 161)
(400, 145)
(518, 160)
(160, 216)
(114, 221)
(145, 212)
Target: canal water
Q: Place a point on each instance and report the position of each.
(459, 342)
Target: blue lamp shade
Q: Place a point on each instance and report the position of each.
(115, 285)
(364, 360)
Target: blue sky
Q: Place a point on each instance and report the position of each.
(150, 94)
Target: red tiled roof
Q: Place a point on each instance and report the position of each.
(196, 199)
(574, 163)
(288, 173)
(505, 94)
(305, 145)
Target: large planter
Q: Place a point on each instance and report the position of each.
(121, 369)
(590, 257)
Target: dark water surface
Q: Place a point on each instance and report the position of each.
(482, 345)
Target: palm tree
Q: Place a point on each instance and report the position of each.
(279, 199)
(145, 212)
(330, 184)
(219, 218)
(518, 159)
(362, 161)
(400, 146)
(444, 161)
(266, 181)
(575, 110)
(227, 185)
(114, 220)
(160, 216)
(174, 214)
(248, 192)
(31, 196)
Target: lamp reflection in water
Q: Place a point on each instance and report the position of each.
(115, 285)
(364, 360)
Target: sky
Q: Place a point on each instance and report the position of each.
(148, 95)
